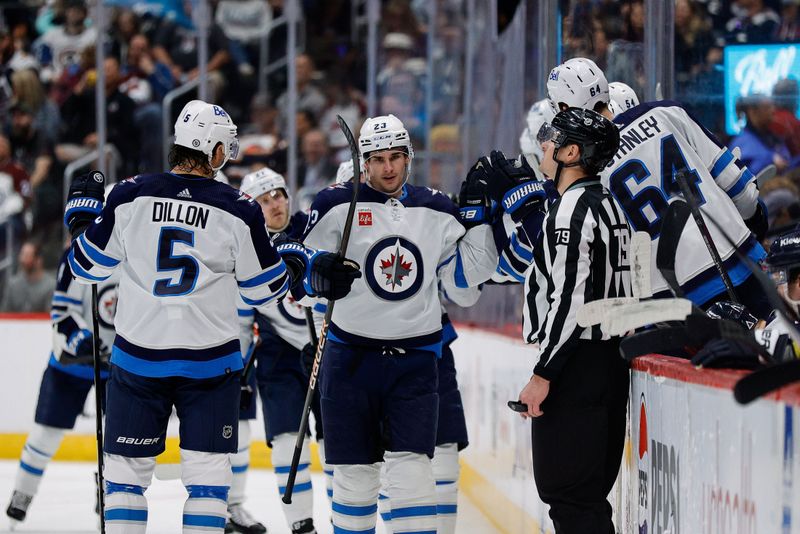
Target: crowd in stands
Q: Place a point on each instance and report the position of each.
(48, 82)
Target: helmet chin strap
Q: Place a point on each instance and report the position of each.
(561, 165)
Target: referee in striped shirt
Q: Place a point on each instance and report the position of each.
(578, 393)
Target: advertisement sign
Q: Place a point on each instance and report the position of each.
(754, 70)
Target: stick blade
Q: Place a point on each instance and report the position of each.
(671, 230)
(640, 263)
(655, 341)
(764, 381)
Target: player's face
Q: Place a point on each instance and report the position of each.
(386, 170)
(275, 206)
(548, 164)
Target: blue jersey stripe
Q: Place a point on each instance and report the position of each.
(265, 277)
(284, 288)
(94, 254)
(80, 271)
(722, 162)
(250, 312)
(743, 181)
(521, 251)
(68, 300)
(208, 353)
(737, 271)
(460, 278)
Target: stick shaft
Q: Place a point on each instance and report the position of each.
(98, 409)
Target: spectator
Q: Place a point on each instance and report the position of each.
(692, 39)
(784, 123)
(244, 22)
(789, 30)
(398, 48)
(316, 169)
(28, 91)
(309, 97)
(261, 136)
(124, 26)
(305, 121)
(31, 289)
(348, 102)
(758, 145)
(15, 194)
(176, 47)
(60, 47)
(781, 197)
(78, 133)
(625, 58)
(752, 22)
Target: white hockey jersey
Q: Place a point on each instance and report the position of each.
(405, 247)
(71, 315)
(657, 140)
(183, 246)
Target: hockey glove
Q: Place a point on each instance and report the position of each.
(84, 201)
(474, 204)
(307, 356)
(726, 353)
(323, 274)
(513, 185)
(759, 223)
(80, 350)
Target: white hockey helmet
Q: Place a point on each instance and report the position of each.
(200, 126)
(261, 182)
(540, 113)
(383, 133)
(578, 83)
(345, 172)
(621, 98)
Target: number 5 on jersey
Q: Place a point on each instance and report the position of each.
(167, 260)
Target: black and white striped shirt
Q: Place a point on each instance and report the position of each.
(581, 255)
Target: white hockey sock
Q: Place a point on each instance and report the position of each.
(41, 445)
(446, 471)
(327, 469)
(207, 477)
(240, 463)
(412, 492)
(302, 506)
(125, 504)
(355, 492)
(384, 505)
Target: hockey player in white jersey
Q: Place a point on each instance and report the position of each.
(540, 113)
(378, 379)
(67, 379)
(621, 98)
(657, 141)
(183, 244)
(282, 377)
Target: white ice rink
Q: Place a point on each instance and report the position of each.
(65, 503)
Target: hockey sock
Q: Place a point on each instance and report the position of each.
(327, 469)
(446, 472)
(302, 506)
(355, 492)
(384, 505)
(125, 509)
(125, 504)
(207, 477)
(412, 492)
(240, 462)
(41, 445)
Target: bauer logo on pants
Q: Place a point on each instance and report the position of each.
(394, 268)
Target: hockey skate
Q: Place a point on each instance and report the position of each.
(306, 526)
(240, 520)
(18, 507)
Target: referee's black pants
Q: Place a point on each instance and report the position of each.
(579, 440)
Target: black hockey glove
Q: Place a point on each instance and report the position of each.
(474, 204)
(307, 355)
(323, 274)
(759, 223)
(726, 353)
(84, 201)
(513, 184)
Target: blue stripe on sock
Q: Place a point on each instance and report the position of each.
(359, 511)
(330, 493)
(413, 511)
(446, 508)
(239, 468)
(208, 492)
(113, 487)
(340, 530)
(37, 451)
(298, 488)
(30, 469)
(126, 514)
(284, 469)
(329, 473)
(381, 496)
(386, 516)
(195, 520)
(443, 482)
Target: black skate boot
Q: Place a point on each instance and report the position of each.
(18, 507)
(240, 520)
(306, 526)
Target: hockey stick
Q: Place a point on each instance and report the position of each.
(656, 341)
(323, 335)
(616, 317)
(688, 195)
(312, 331)
(671, 230)
(766, 174)
(640, 265)
(98, 405)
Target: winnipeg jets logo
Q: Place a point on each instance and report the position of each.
(107, 305)
(394, 268)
